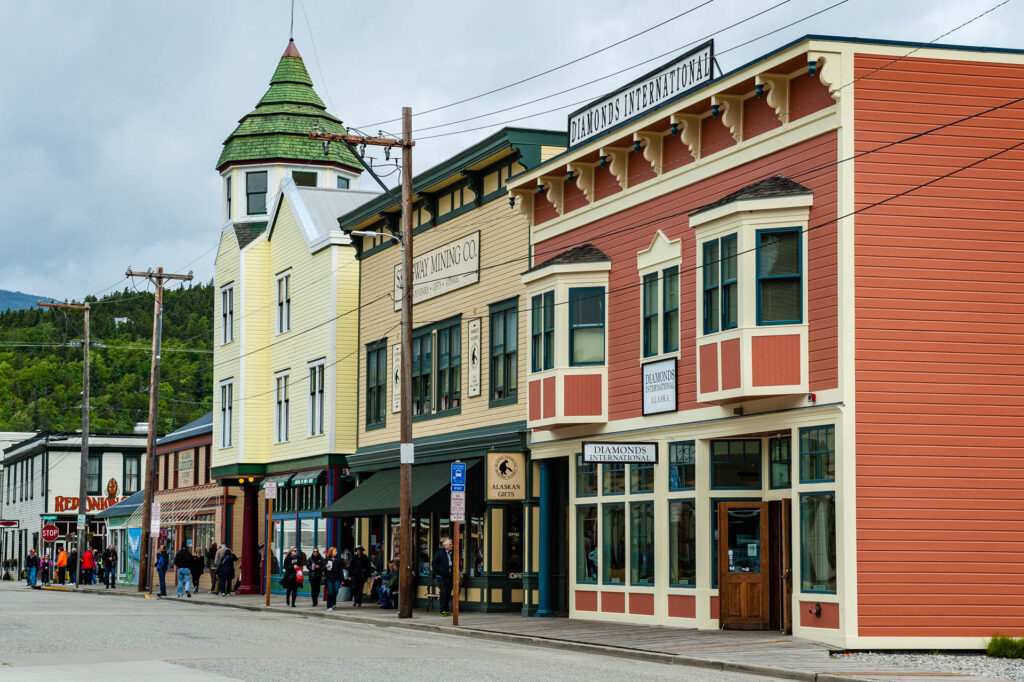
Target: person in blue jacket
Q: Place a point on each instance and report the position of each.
(161, 569)
(443, 572)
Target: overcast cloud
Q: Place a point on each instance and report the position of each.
(112, 114)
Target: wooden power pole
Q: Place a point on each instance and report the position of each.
(406, 564)
(157, 278)
(83, 477)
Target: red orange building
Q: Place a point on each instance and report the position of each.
(773, 364)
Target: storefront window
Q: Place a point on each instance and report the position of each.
(778, 457)
(586, 477)
(641, 478)
(682, 466)
(475, 553)
(818, 454)
(614, 478)
(513, 541)
(641, 534)
(394, 524)
(423, 554)
(682, 538)
(275, 547)
(818, 542)
(614, 552)
(736, 464)
(289, 536)
(307, 536)
(586, 544)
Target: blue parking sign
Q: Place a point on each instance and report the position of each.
(458, 473)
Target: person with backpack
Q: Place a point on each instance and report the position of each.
(226, 570)
(183, 562)
(315, 568)
(161, 569)
(289, 577)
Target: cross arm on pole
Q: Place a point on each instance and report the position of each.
(361, 139)
(68, 306)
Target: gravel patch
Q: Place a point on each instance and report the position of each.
(978, 664)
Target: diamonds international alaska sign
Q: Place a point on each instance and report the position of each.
(644, 94)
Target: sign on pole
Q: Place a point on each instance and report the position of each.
(48, 518)
(154, 519)
(270, 490)
(81, 519)
(458, 473)
(458, 507)
(49, 533)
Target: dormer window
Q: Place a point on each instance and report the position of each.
(256, 193)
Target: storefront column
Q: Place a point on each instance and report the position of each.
(250, 556)
(547, 493)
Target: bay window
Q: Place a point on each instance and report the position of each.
(586, 326)
(779, 279)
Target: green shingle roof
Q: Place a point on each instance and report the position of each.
(278, 128)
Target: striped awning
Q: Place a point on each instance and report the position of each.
(308, 477)
(177, 512)
(280, 479)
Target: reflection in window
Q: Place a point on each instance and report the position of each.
(779, 286)
(422, 549)
(736, 464)
(613, 526)
(586, 326)
(818, 542)
(682, 466)
(818, 453)
(744, 549)
(614, 478)
(778, 458)
(670, 304)
(475, 551)
(682, 538)
(649, 299)
(641, 534)
(641, 477)
(586, 544)
(586, 477)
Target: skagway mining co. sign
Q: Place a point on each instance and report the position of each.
(446, 268)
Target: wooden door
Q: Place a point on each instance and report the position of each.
(743, 566)
(785, 546)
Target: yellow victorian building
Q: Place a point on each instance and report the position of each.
(285, 366)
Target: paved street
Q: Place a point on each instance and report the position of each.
(52, 635)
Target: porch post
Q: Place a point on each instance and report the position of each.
(250, 556)
(544, 542)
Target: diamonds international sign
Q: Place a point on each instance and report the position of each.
(636, 453)
(644, 94)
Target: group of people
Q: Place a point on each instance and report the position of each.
(330, 570)
(218, 561)
(93, 568)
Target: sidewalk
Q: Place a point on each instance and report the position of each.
(766, 653)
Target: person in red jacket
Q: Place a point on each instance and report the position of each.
(88, 564)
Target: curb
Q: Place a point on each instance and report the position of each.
(563, 645)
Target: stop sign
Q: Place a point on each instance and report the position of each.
(50, 533)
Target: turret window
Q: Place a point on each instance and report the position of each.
(256, 193)
(304, 178)
(227, 194)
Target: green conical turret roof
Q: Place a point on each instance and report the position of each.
(278, 128)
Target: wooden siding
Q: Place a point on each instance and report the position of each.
(612, 234)
(253, 398)
(550, 395)
(940, 288)
(807, 94)
(775, 360)
(641, 604)
(709, 368)
(225, 356)
(731, 372)
(714, 137)
(758, 117)
(582, 395)
(828, 619)
(682, 606)
(613, 602)
(503, 256)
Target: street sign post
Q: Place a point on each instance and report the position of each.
(49, 533)
(48, 518)
(457, 515)
(269, 494)
(154, 533)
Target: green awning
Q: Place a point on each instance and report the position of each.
(280, 479)
(308, 477)
(379, 493)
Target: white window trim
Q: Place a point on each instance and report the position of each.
(227, 387)
(661, 255)
(282, 406)
(317, 397)
(271, 175)
(227, 318)
(284, 306)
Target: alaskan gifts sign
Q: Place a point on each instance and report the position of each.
(659, 380)
(506, 476)
(446, 268)
(644, 94)
(637, 453)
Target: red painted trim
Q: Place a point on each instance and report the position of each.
(730, 364)
(613, 602)
(535, 400)
(714, 608)
(829, 617)
(586, 600)
(775, 360)
(583, 394)
(682, 606)
(550, 393)
(709, 368)
(641, 604)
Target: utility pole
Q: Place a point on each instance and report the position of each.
(406, 575)
(84, 473)
(157, 278)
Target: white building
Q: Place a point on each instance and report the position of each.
(41, 479)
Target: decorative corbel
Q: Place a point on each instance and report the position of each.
(525, 202)
(618, 163)
(583, 174)
(776, 87)
(689, 132)
(651, 141)
(730, 109)
(554, 189)
(827, 66)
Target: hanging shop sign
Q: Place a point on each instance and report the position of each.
(396, 378)
(186, 467)
(506, 476)
(659, 382)
(473, 339)
(446, 268)
(636, 453)
(644, 94)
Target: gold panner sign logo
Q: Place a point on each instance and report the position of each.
(506, 476)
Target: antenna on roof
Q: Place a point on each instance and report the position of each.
(291, 27)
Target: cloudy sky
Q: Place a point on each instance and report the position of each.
(112, 114)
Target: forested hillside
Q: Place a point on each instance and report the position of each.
(15, 300)
(41, 363)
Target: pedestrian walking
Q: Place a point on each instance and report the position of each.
(88, 564)
(31, 567)
(197, 569)
(45, 569)
(289, 579)
(359, 569)
(211, 567)
(62, 566)
(443, 572)
(110, 567)
(226, 570)
(73, 564)
(315, 568)
(162, 564)
(332, 575)
(183, 564)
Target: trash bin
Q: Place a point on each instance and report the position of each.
(344, 593)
